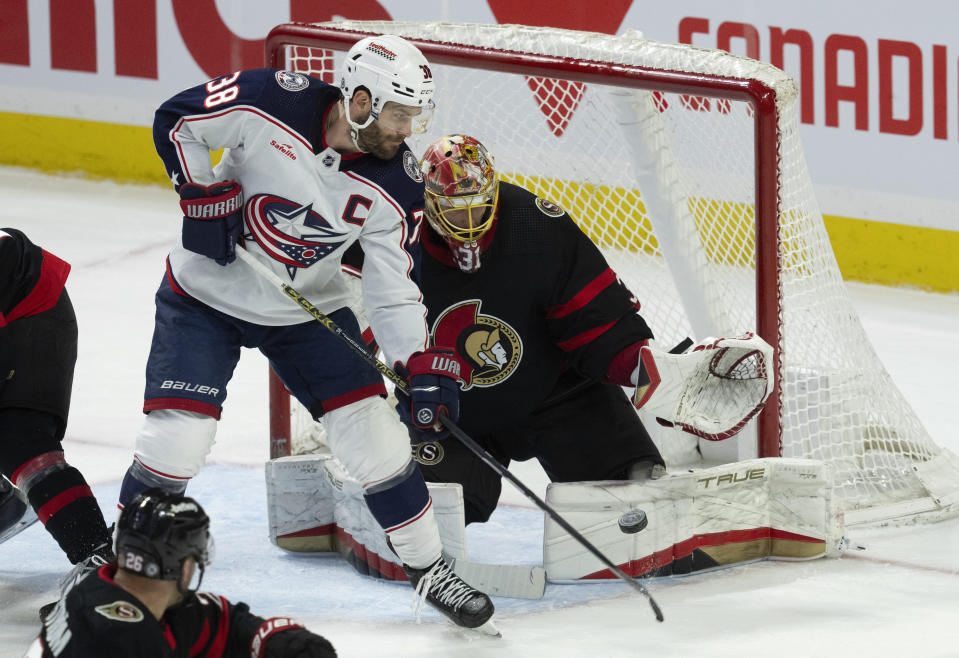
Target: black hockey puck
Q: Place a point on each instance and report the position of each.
(632, 521)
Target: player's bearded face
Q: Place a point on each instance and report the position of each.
(384, 136)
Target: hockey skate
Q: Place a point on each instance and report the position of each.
(448, 593)
(101, 555)
(16, 515)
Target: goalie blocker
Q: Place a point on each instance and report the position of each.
(721, 516)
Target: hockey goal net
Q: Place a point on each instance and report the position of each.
(685, 166)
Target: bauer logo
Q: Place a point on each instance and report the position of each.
(187, 387)
(424, 417)
(292, 81)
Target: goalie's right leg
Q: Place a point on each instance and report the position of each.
(373, 445)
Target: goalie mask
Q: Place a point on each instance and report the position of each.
(390, 68)
(461, 196)
(156, 533)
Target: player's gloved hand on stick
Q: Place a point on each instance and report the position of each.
(297, 643)
(212, 219)
(434, 387)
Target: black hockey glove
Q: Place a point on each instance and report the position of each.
(433, 377)
(212, 219)
(283, 638)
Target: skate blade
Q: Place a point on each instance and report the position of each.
(27, 520)
(489, 628)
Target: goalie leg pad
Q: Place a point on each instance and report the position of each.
(315, 505)
(722, 516)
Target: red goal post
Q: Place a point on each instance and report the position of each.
(685, 166)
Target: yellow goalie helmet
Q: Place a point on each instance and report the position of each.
(462, 191)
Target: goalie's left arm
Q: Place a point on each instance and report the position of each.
(592, 316)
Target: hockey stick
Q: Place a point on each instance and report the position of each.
(507, 580)
(463, 437)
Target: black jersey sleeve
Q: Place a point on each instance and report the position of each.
(20, 263)
(592, 315)
(31, 278)
(210, 626)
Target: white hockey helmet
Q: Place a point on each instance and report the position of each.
(390, 68)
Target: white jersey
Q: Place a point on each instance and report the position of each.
(305, 204)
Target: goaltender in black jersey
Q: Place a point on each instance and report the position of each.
(143, 607)
(546, 333)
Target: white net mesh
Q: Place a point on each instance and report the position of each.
(686, 244)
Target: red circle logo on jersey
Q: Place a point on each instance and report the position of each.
(489, 348)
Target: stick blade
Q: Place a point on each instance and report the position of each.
(507, 580)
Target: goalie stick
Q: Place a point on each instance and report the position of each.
(462, 436)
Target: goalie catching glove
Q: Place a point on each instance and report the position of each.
(433, 378)
(212, 219)
(711, 390)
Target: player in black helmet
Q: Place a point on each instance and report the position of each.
(143, 605)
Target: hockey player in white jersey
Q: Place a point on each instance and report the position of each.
(307, 170)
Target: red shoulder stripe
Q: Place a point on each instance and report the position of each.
(583, 297)
(584, 338)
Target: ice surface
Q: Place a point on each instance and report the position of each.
(897, 596)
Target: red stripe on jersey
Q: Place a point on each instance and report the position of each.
(205, 408)
(172, 281)
(168, 634)
(353, 396)
(61, 500)
(161, 473)
(46, 292)
(584, 338)
(414, 519)
(222, 632)
(200, 644)
(583, 297)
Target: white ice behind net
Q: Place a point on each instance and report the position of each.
(577, 145)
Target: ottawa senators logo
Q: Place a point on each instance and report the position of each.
(489, 349)
(120, 611)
